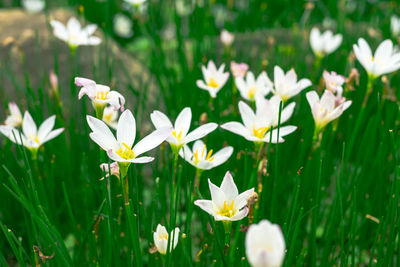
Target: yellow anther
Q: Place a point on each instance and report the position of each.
(227, 210)
(165, 237)
(252, 92)
(212, 83)
(177, 136)
(102, 95)
(196, 157)
(204, 149)
(209, 155)
(126, 153)
(260, 132)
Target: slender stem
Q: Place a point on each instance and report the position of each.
(370, 85)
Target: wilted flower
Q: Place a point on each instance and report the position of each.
(265, 245)
(227, 37)
(395, 25)
(180, 136)
(123, 26)
(110, 117)
(202, 159)
(286, 85)
(73, 34)
(251, 88)
(100, 95)
(239, 69)
(259, 126)
(33, 6)
(31, 137)
(112, 168)
(334, 82)
(15, 117)
(162, 238)
(326, 109)
(325, 43)
(385, 59)
(120, 149)
(214, 79)
(226, 204)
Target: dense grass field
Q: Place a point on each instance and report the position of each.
(331, 185)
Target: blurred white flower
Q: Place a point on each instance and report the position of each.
(180, 132)
(15, 117)
(202, 159)
(259, 126)
(135, 2)
(73, 34)
(100, 94)
(227, 37)
(326, 109)
(395, 25)
(112, 168)
(162, 238)
(325, 43)
(265, 245)
(120, 149)
(239, 69)
(33, 6)
(334, 82)
(110, 117)
(214, 79)
(286, 85)
(123, 26)
(32, 138)
(385, 60)
(251, 88)
(226, 204)
(184, 7)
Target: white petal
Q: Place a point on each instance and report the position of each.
(126, 130)
(200, 132)
(237, 128)
(228, 186)
(103, 133)
(222, 156)
(51, 135)
(206, 205)
(46, 127)
(152, 140)
(217, 195)
(247, 114)
(28, 125)
(159, 119)
(182, 122)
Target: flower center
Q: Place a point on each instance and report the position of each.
(107, 117)
(252, 92)
(101, 95)
(33, 138)
(227, 210)
(126, 153)
(260, 132)
(208, 157)
(163, 237)
(177, 136)
(212, 83)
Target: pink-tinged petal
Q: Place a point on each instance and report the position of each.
(79, 81)
(217, 195)
(200, 132)
(28, 125)
(126, 129)
(182, 122)
(52, 135)
(228, 186)
(237, 128)
(328, 100)
(116, 100)
(247, 114)
(152, 140)
(206, 205)
(46, 127)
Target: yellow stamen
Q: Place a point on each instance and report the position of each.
(227, 210)
(212, 83)
(260, 132)
(209, 155)
(165, 237)
(177, 136)
(196, 157)
(102, 95)
(127, 153)
(252, 92)
(204, 149)
(107, 117)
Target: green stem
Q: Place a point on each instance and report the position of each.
(370, 84)
(227, 228)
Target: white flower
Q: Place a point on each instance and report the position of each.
(385, 59)
(180, 134)
(251, 88)
(32, 138)
(258, 127)
(33, 6)
(326, 109)
(239, 69)
(226, 204)
(265, 245)
(202, 159)
(73, 34)
(161, 239)
(395, 25)
(15, 117)
(325, 43)
(227, 37)
(123, 26)
(214, 79)
(334, 82)
(120, 149)
(135, 2)
(110, 117)
(112, 168)
(286, 85)
(100, 94)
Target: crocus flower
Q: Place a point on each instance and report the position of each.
(226, 204)
(202, 159)
(15, 117)
(100, 95)
(180, 136)
(334, 82)
(395, 25)
(250, 87)
(161, 239)
(110, 117)
(33, 6)
(31, 137)
(239, 69)
(214, 79)
(227, 38)
(120, 149)
(265, 245)
(259, 126)
(385, 60)
(123, 26)
(73, 34)
(325, 43)
(112, 168)
(326, 109)
(286, 85)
